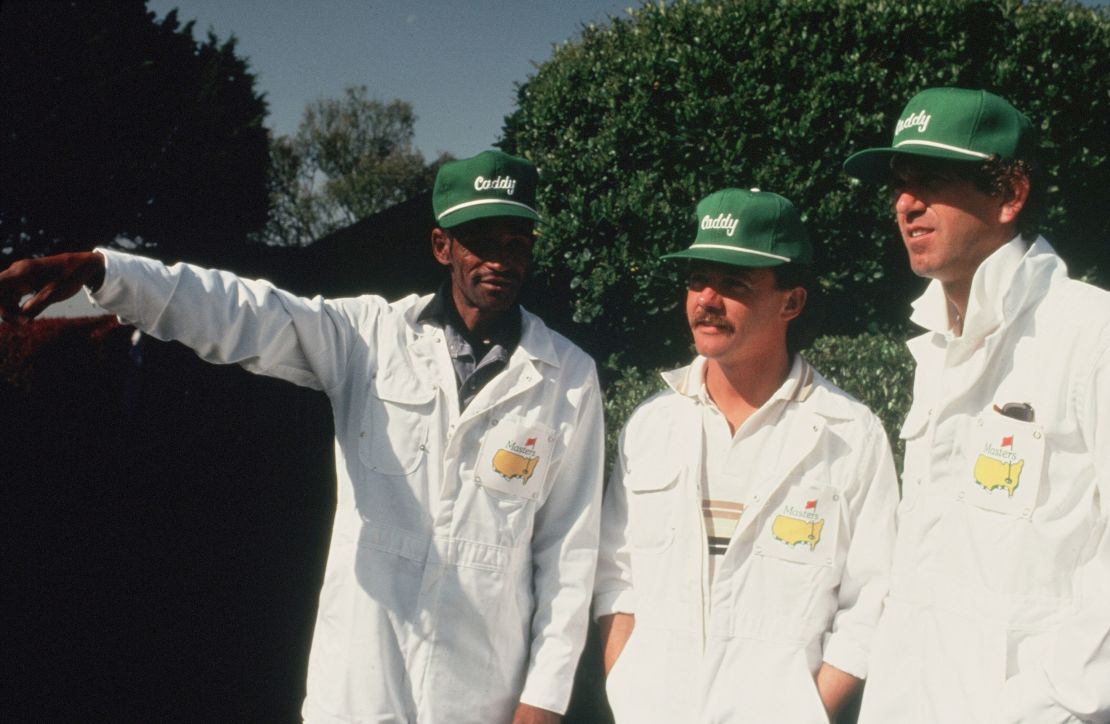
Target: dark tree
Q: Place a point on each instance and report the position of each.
(350, 158)
(116, 123)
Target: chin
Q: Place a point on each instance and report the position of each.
(709, 351)
(921, 267)
(499, 303)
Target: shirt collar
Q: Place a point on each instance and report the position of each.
(440, 310)
(985, 303)
(690, 381)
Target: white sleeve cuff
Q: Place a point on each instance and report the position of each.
(846, 655)
(607, 603)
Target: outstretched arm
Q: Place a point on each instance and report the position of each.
(49, 280)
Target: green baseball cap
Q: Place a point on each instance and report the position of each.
(748, 228)
(492, 183)
(950, 123)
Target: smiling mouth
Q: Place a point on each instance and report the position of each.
(498, 282)
(712, 325)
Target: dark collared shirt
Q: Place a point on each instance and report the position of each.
(476, 359)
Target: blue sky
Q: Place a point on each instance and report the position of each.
(456, 62)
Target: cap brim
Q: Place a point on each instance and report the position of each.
(873, 164)
(485, 211)
(732, 257)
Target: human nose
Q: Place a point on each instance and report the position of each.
(907, 202)
(708, 296)
(511, 252)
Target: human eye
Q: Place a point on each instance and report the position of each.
(477, 244)
(696, 281)
(731, 286)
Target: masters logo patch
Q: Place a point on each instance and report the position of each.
(514, 457)
(796, 525)
(999, 467)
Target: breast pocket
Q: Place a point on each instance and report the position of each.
(804, 527)
(394, 435)
(514, 458)
(1001, 463)
(652, 506)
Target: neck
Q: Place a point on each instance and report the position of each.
(478, 322)
(958, 290)
(957, 294)
(741, 389)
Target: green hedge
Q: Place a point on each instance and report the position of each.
(635, 120)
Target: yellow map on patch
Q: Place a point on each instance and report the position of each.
(992, 474)
(793, 531)
(510, 465)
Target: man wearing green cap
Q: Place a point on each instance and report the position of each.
(998, 609)
(469, 455)
(748, 523)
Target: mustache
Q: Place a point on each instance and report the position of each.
(713, 320)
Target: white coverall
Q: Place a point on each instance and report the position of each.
(999, 609)
(464, 545)
(747, 647)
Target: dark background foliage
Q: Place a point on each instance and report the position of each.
(163, 533)
(638, 119)
(115, 123)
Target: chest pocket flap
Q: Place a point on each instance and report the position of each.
(652, 471)
(396, 421)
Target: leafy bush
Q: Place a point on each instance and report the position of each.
(635, 120)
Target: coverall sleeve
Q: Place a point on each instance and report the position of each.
(613, 591)
(866, 577)
(1074, 683)
(226, 319)
(564, 555)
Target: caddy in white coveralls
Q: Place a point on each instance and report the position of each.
(999, 609)
(464, 544)
(803, 577)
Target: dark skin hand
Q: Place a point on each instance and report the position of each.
(48, 280)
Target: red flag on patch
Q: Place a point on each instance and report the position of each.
(1008, 441)
(811, 504)
(531, 441)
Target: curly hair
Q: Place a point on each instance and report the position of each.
(998, 176)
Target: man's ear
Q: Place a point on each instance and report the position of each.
(441, 246)
(794, 303)
(1013, 200)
